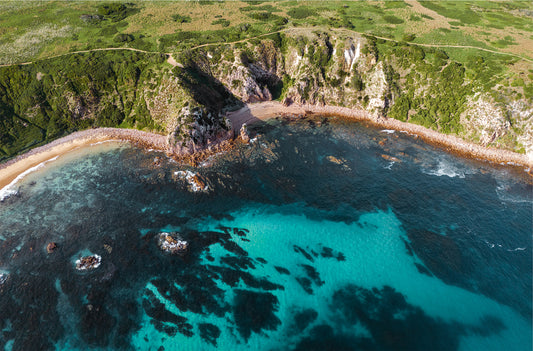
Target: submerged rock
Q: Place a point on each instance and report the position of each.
(88, 262)
(108, 248)
(157, 161)
(51, 247)
(390, 158)
(172, 243)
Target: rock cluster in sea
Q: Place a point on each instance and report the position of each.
(196, 181)
(88, 262)
(172, 243)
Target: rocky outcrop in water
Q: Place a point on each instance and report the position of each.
(51, 247)
(244, 133)
(197, 183)
(172, 243)
(88, 262)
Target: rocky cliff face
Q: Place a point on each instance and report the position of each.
(405, 82)
(188, 102)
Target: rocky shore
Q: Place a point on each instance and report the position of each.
(249, 114)
(253, 113)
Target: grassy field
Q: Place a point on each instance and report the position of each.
(36, 30)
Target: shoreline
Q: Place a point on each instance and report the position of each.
(249, 114)
(262, 111)
(10, 170)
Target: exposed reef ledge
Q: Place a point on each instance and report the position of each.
(252, 113)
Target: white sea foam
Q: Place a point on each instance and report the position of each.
(502, 190)
(388, 131)
(11, 189)
(449, 169)
(446, 169)
(517, 249)
(389, 166)
(106, 141)
(492, 245)
(189, 176)
(82, 267)
(3, 278)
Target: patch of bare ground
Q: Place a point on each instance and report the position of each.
(426, 25)
(521, 68)
(158, 18)
(523, 44)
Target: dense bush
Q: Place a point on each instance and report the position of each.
(116, 11)
(74, 92)
(393, 19)
(181, 19)
(301, 12)
(223, 22)
(123, 38)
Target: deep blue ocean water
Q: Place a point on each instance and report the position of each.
(329, 236)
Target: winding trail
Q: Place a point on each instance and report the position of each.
(172, 61)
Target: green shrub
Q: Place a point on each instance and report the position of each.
(393, 19)
(116, 11)
(264, 16)
(268, 8)
(223, 22)
(123, 38)
(301, 12)
(108, 31)
(357, 82)
(110, 116)
(181, 19)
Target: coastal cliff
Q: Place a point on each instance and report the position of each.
(186, 96)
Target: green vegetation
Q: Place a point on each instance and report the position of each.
(223, 22)
(301, 12)
(116, 11)
(61, 28)
(428, 79)
(455, 10)
(181, 19)
(76, 92)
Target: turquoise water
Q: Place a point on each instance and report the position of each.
(308, 239)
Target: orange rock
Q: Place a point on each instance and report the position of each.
(390, 158)
(51, 247)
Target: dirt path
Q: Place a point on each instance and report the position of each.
(173, 62)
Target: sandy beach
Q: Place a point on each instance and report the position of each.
(11, 169)
(249, 114)
(252, 113)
